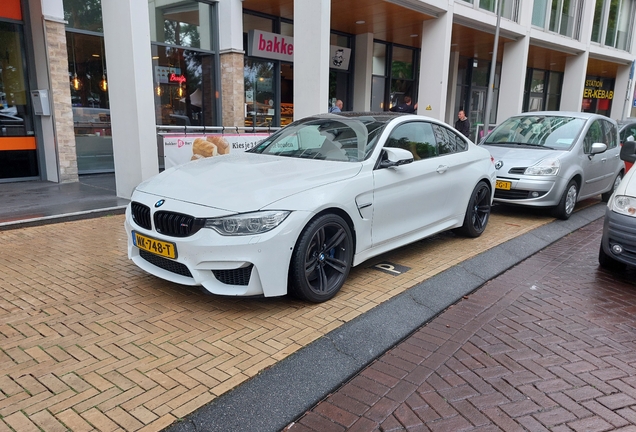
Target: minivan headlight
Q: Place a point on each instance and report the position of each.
(623, 204)
(247, 223)
(544, 167)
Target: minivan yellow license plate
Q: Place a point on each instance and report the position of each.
(501, 184)
(157, 247)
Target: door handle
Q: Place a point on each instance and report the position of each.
(442, 169)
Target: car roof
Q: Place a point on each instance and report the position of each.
(575, 114)
(383, 116)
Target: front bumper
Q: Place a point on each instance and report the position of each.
(531, 191)
(619, 230)
(224, 265)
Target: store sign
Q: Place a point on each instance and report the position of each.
(179, 149)
(594, 90)
(177, 78)
(164, 73)
(278, 47)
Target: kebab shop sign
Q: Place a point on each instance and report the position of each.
(179, 149)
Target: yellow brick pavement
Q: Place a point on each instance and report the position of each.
(90, 342)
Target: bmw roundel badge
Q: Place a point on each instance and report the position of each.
(498, 165)
(159, 203)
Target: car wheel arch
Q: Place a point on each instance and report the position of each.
(340, 212)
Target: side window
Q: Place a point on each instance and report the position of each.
(594, 134)
(448, 141)
(416, 137)
(629, 130)
(610, 134)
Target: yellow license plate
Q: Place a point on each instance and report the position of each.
(157, 247)
(505, 185)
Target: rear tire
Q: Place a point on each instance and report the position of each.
(565, 208)
(478, 212)
(609, 263)
(607, 195)
(321, 259)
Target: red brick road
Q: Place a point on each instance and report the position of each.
(548, 345)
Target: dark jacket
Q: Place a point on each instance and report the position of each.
(463, 126)
(403, 108)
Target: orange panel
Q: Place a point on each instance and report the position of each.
(11, 9)
(17, 143)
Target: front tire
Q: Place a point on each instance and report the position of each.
(478, 211)
(609, 263)
(607, 195)
(565, 208)
(321, 259)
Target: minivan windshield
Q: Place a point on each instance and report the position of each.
(344, 139)
(550, 132)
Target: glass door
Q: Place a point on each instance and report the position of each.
(18, 156)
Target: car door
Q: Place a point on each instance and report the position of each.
(599, 169)
(415, 198)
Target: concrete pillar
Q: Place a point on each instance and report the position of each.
(232, 61)
(311, 57)
(513, 78)
(57, 146)
(130, 89)
(363, 72)
(623, 93)
(574, 82)
(434, 66)
(451, 109)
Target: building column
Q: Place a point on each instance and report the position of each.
(363, 72)
(58, 134)
(311, 57)
(232, 62)
(130, 90)
(513, 78)
(453, 68)
(574, 82)
(434, 66)
(623, 93)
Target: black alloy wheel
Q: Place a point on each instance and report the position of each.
(478, 211)
(321, 259)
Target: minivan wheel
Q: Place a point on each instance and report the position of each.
(565, 208)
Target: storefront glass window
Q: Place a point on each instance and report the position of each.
(378, 82)
(402, 73)
(184, 94)
(259, 92)
(185, 25)
(18, 156)
(340, 79)
(84, 14)
(89, 96)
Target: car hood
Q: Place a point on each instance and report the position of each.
(246, 181)
(520, 157)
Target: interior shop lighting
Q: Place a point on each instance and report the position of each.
(103, 84)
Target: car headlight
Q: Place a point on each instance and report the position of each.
(623, 204)
(247, 223)
(544, 167)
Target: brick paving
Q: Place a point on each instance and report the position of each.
(548, 345)
(90, 342)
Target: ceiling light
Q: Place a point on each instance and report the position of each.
(414, 35)
(360, 22)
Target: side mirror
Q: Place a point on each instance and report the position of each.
(394, 156)
(598, 148)
(628, 151)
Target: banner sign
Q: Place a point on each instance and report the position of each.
(278, 47)
(178, 150)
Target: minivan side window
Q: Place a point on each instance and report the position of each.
(610, 134)
(594, 134)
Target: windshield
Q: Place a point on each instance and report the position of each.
(550, 132)
(342, 139)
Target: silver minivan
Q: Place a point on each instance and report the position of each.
(554, 159)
